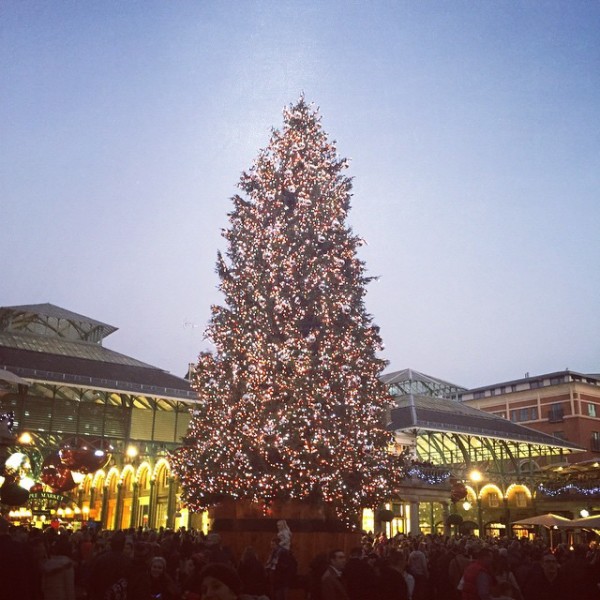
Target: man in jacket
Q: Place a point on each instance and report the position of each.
(332, 586)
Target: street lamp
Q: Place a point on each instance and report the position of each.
(25, 438)
(475, 476)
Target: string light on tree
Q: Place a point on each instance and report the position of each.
(291, 405)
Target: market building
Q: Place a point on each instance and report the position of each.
(66, 388)
(483, 469)
(72, 395)
(566, 405)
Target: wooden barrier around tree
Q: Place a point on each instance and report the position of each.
(314, 529)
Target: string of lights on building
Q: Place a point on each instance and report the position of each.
(554, 491)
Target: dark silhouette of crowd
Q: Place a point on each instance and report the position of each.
(139, 564)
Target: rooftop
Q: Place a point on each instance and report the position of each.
(409, 381)
(22, 316)
(33, 349)
(530, 382)
(442, 414)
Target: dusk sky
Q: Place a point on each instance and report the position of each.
(473, 130)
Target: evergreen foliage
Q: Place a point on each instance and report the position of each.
(291, 405)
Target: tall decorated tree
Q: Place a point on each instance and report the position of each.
(291, 405)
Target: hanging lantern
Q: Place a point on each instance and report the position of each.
(55, 475)
(385, 515)
(454, 519)
(84, 456)
(458, 491)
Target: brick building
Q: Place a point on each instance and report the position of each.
(565, 404)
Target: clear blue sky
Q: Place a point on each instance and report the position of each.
(474, 134)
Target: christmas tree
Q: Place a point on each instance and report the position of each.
(291, 405)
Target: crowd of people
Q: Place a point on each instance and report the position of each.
(138, 564)
(437, 567)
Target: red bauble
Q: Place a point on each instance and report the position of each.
(56, 475)
(458, 491)
(13, 494)
(84, 456)
(36, 488)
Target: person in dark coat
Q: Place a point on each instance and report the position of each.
(546, 582)
(252, 573)
(392, 584)
(220, 582)
(579, 575)
(162, 586)
(138, 582)
(280, 569)
(18, 570)
(359, 577)
(332, 586)
(190, 585)
(108, 568)
(316, 569)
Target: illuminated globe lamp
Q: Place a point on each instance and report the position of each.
(84, 456)
(25, 439)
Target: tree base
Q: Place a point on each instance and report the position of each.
(315, 529)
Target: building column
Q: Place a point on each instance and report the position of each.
(414, 517)
(479, 515)
(171, 503)
(104, 508)
(135, 509)
(92, 502)
(507, 518)
(152, 504)
(119, 507)
(445, 515)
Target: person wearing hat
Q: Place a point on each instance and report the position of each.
(221, 582)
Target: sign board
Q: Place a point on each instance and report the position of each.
(50, 497)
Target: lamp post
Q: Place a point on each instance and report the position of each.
(475, 477)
